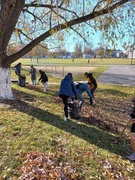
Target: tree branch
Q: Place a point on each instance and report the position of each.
(62, 26)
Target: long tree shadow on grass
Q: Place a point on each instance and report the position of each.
(90, 134)
(101, 121)
(39, 88)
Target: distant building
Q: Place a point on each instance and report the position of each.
(131, 54)
(86, 55)
(68, 55)
(116, 54)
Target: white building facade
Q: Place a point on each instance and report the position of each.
(131, 54)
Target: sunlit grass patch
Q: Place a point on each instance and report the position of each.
(34, 123)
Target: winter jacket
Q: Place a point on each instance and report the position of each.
(33, 73)
(43, 78)
(81, 88)
(92, 81)
(68, 88)
(18, 69)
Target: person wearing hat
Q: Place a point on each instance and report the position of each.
(44, 79)
(67, 90)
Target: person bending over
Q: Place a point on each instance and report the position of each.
(81, 88)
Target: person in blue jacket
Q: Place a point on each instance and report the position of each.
(67, 90)
(81, 88)
(18, 69)
(21, 78)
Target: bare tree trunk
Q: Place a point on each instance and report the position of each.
(5, 84)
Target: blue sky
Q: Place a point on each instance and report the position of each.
(70, 44)
(88, 31)
(71, 41)
(95, 40)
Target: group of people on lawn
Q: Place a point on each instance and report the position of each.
(43, 77)
(74, 91)
(69, 89)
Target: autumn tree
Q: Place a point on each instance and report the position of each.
(78, 50)
(30, 22)
(88, 49)
(100, 52)
(60, 52)
(39, 51)
(108, 52)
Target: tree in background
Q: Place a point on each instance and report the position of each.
(108, 52)
(38, 51)
(78, 51)
(29, 22)
(100, 52)
(60, 52)
(88, 49)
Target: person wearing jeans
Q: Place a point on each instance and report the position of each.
(81, 88)
(33, 74)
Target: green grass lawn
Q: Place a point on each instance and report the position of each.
(77, 62)
(34, 134)
(53, 78)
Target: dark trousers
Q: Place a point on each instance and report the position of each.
(92, 92)
(65, 102)
(133, 112)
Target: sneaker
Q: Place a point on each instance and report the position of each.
(131, 157)
(66, 119)
(94, 102)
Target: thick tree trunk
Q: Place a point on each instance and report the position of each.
(5, 84)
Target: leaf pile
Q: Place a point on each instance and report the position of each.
(47, 166)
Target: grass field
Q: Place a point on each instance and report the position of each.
(37, 143)
(77, 62)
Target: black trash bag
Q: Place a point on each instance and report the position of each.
(74, 111)
(22, 80)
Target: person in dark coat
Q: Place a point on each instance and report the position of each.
(21, 78)
(33, 74)
(67, 90)
(44, 79)
(18, 69)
